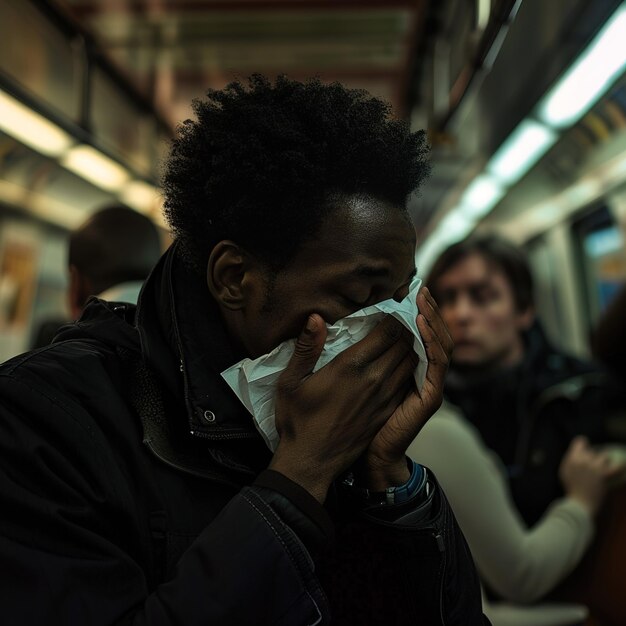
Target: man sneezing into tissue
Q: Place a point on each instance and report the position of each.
(134, 483)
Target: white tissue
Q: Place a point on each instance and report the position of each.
(254, 381)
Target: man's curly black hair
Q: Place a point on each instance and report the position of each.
(265, 163)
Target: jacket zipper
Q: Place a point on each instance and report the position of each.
(197, 433)
(442, 549)
(217, 436)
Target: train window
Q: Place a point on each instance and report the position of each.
(543, 264)
(602, 253)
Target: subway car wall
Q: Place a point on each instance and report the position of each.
(33, 280)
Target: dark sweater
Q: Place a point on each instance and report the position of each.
(529, 414)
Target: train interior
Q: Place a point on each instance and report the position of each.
(92, 91)
(523, 101)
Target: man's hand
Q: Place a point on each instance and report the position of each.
(326, 420)
(384, 463)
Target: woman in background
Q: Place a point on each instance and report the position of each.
(518, 564)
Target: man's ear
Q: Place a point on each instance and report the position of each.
(226, 270)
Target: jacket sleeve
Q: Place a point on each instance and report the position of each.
(521, 564)
(68, 539)
(419, 566)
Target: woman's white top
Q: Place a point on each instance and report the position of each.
(520, 564)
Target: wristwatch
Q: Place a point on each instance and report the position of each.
(391, 495)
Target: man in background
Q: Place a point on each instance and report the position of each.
(527, 399)
(110, 256)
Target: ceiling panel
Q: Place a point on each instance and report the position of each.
(176, 50)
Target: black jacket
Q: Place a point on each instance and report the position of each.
(132, 491)
(529, 414)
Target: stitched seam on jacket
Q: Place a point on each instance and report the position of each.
(282, 541)
(51, 401)
(27, 356)
(291, 558)
(66, 411)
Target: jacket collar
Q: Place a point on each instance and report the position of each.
(110, 323)
(184, 340)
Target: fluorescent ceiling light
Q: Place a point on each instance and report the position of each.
(483, 11)
(455, 226)
(96, 167)
(32, 129)
(482, 194)
(590, 76)
(140, 195)
(521, 150)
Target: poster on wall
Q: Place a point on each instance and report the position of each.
(18, 278)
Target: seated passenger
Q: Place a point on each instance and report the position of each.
(526, 399)
(518, 565)
(110, 256)
(134, 486)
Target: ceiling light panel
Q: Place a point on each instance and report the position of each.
(590, 75)
(140, 195)
(481, 196)
(97, 168)
(521, 150)
(32, 129)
